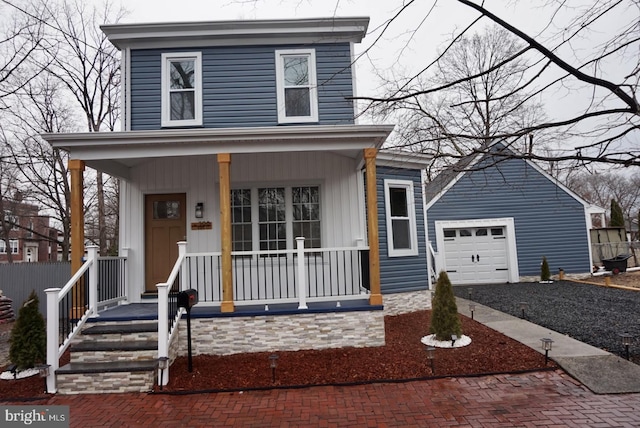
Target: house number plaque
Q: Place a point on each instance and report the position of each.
(202, 225)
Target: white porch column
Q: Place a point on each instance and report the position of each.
(53, 331)
(302, 284)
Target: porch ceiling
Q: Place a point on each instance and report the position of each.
(116, 152)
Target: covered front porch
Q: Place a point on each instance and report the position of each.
(304, 275)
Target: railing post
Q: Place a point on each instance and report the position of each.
(182, 251)
(53, 332)
(124, 285)
(92, 255)
(163, 328)
(302, 286)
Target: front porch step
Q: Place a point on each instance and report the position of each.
(106, 377)
(114, 331)
(107, 351)
(111, 357)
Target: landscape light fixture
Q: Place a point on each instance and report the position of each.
(626, 341)
(273, 363)
(546, 345)
(431, 355)
(43, 370)
(163, 363)
(453, 339)
(469, 291)
(472, 307)
(523, 307)
(200, 210)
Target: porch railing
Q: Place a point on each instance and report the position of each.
(261, 277)
(98, 282)
(168, 312)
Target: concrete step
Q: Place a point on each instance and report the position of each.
(106, 377)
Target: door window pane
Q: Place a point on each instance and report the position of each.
(272, 218)
(241, 229)
(166, 210)
(306, 215)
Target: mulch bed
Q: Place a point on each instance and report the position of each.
(402, 358)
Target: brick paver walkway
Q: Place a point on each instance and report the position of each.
(545, 399)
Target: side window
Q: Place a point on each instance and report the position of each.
(182, 89)
(297, 92)
(402, 236)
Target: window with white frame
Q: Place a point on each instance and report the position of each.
(297, 92)
(270, 218)
(182, 89)
(402, 234)
(13, 245)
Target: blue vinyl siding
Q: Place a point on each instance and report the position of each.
(239, 85)
(400, 274)
(548, 221)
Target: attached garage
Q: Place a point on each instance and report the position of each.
(478, 251)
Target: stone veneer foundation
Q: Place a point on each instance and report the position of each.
(403, 303)
(291, 332)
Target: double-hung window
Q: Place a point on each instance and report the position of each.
(270, 218)
(297, 91)
(13, 245)
(402, 234)
(182, 89)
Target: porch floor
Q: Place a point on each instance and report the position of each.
(149, 311)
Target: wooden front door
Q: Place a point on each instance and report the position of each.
(165, 225)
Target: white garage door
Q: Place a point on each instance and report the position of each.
(476, 255)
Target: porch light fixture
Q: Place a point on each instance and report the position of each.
(453, 339)
(163, 363)
(546, 345)
(199, 210)
(626, 341)
(431, 355)
(43, 370)
(523, 307)
(273, 363)
(472, 307)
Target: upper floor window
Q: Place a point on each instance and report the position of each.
(10, 220)
(402, 234)
(296, 86)
(182, 89)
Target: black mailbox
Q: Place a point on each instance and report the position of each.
(187, 299)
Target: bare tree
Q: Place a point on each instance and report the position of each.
(603, 128)
(466, 115)
(41, 108)
(20, 39)
(601, 188)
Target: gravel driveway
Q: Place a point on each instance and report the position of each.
(589, 313)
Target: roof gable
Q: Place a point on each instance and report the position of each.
(437, 188)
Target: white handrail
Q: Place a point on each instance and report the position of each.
(54, 297)
(164, 288)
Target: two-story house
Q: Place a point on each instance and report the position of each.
(25, 234)
(244, 176)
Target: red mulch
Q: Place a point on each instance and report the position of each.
(403, 357)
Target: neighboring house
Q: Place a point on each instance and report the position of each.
(491, 219)
(30, 238)
(239, 139)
